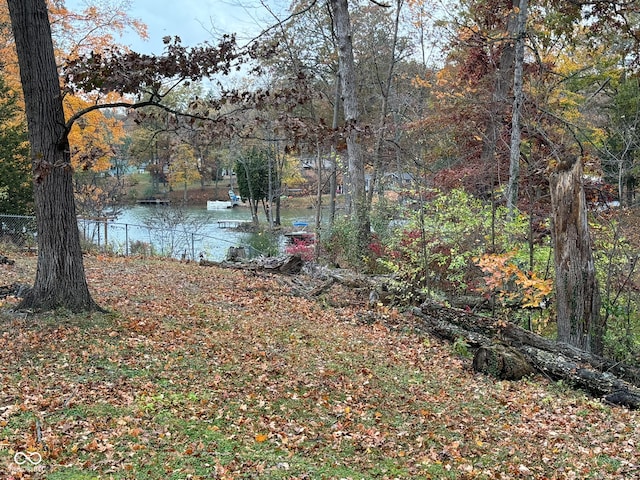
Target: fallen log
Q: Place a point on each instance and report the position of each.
(516, 336)
(293, 264)
(287, 264)
(481, 333)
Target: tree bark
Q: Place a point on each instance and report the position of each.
(577, 291)
(287, 264)
(501, 361)
(459, 323)
(333, 183)
(359, 212)
(60, 277)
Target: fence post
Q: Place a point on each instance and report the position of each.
(126, 239)
(193, 247)
(106, 235)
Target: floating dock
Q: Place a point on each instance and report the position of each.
(154, 201)
(232, 223)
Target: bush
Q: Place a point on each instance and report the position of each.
(340, 243)
(138, 247)
(305, 249)
(616, 259)
(263, 243)
(434, 251)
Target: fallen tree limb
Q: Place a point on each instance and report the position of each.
(287, 264)
(293, 264)
(576, 368)
(17, 290)
(516, 336)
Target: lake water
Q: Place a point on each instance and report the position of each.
(195, 232)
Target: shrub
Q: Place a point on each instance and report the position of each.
(263, 243)
(616, 259)
(514, 289)
(301, 247)
(434, 252)
(340, 243)
(138, 247)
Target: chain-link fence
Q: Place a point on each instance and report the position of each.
(130, 239)
(18, 230)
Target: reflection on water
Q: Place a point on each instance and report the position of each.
(141, 229)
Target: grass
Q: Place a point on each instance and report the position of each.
(202, 373)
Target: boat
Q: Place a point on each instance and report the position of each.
(234, 200)
(300, 224)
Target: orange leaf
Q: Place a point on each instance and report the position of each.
(261, 437)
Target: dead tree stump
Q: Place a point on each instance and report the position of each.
(236, 254)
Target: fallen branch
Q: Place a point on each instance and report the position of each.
(517, 336)
(17, 290)
(287, 264)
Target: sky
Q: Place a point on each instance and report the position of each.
(191, 20)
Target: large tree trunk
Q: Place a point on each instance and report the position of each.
(359, 211)
(577, 292)
(60, 277)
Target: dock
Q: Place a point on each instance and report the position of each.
(232, 223)
(154, 201)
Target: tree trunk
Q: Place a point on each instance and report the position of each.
(385, 90)
(359, 212)
(499, 101)
(501, 361)
(442, 319)
(318, 219)
(60, 278)
(518, 97)
(577, 292)
(333, 183)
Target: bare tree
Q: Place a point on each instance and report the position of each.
(518, 98)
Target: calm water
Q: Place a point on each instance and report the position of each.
(198, 234)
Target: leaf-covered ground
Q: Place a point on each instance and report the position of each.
(201, 373)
